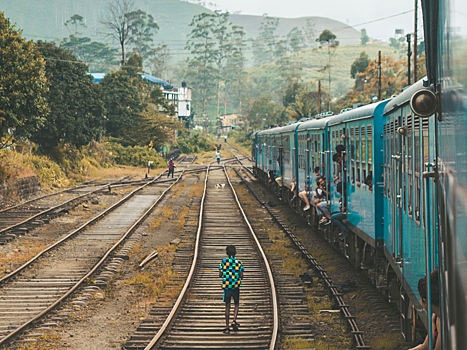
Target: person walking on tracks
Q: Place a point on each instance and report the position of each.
(171, 166)
(218, 156)
(231, 271)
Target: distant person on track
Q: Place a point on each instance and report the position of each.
(218, 156)
(171, 166)
(435, 320)
(231, 271)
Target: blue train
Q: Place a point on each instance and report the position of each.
(413, 147)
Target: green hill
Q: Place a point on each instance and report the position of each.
(43, 20)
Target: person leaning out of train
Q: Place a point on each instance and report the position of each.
(435, 320)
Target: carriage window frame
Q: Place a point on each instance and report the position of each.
(302, 146)
(351, 155)
(417, 150)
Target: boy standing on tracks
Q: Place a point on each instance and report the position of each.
(231, 271)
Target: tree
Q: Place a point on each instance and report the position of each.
(393, 78)
(396, 43)
(295, 40)
(266, 112)
(76, 108)
(76, 22)
(364, 37)
(301, 101)
(23, 85)
(267, 46)
(142, 28)
(119, 23)
(329, 43)
(204, 48)
(159, 61)
(309, 32)
(236, 75)
(359, 66)
(91, 52)
(123, 102)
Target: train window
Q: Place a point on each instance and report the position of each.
(358, 154)
(369, 148)
(425, 140)
(351, 155)
(364, 152)
(319, 148)
(302, 142)
(403, 164)
(417, 167)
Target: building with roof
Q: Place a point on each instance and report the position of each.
(180, 97)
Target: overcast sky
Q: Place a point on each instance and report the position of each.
(385, 15)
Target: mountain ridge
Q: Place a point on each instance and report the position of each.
(39, 22)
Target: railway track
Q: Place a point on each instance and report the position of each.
(375, 303)
(21, 218)
(196, 319)
(40, 285)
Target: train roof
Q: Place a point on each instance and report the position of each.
(362, 112)
(353, 114)
(314, 124)
(403, 97)
(280, 129)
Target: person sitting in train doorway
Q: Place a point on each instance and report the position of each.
(231, 270)
(435, 320)
(218, 156)
(293, 189)
(171, 166)
(305, 195)
(271, 176)
(321, 202)
(338, 218)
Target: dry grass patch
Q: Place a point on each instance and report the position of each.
(121, 171)
(153, 282)
(18, 256)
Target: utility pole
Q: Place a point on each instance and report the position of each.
(415, 42)
(409, 53)
(379, 76)
(319, 96)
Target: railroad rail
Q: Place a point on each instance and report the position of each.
(40, 285)
(19, 219)
(336, 294)
(196, 319)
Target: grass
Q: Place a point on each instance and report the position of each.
(17, 256)
(152, 283)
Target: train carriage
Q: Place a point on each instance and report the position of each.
(267, 145)
(446, 57)
(312, 149)
(409, 200)
(288, 157)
